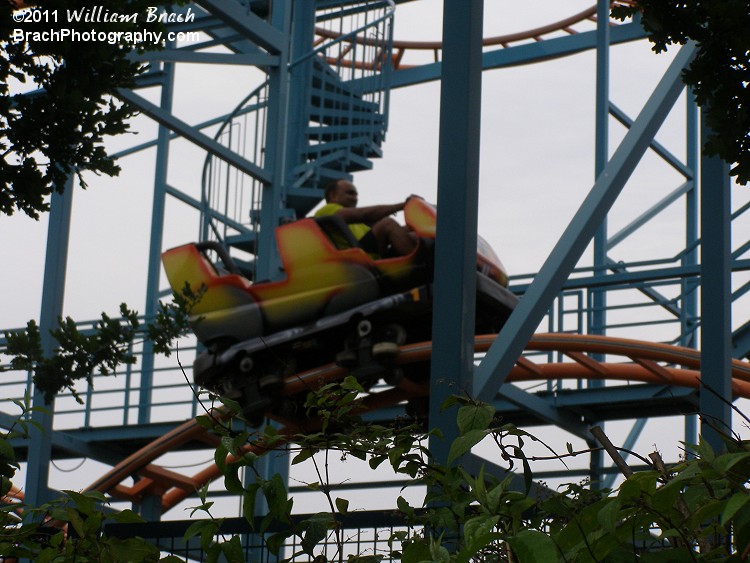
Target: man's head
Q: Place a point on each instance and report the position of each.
(342, 192)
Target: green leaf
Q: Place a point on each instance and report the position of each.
(438, 553)
(275, 492)
(248, 503)
(132, 549)
(75, 520)
(478, 532)
(495, 494)
(452, 400)
(416, 552)
(232, 550)
(342, 505)
(127, 516)
(376, 460)
(404, 506)
(533, 546)
(463, 444)
(83, 503)
(232, 482)
(665, 496)
(609, 516)
(474, 417)
(316, 530)
(725, 462)
(198, 527)
(305, 454)
(275, 542)
(638, 483)
(734, 505)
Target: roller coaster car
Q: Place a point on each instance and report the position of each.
(337, 303)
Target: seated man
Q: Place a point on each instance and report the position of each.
(372, 226)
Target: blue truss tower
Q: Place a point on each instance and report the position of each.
(316, 77)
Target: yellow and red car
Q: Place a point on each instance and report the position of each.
(335, 304)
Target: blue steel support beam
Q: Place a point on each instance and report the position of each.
(53, 297)
(598, 316)
(631, 278)
(271, 201)
(598, 319)
(649, 214)
(183, 56)
(521, 54)
(665, 302)
(458, 197)
(545, 409)
(656, 146)
(241, 19)
(272, 195)
(741, 341)
(689, 289)
(504, 352)
(193, 135)
(158, 205)
(716, 310)
(300, 84)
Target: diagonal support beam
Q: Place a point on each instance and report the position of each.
(501, 357)
(241, 19)
(646, 216)
(192, 134)
(184, 56)
(544, 410)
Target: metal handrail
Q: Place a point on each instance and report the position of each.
(345, 37)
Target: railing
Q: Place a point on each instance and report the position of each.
(113, 400)
(363, 533)
(410, 54)
(229, 197)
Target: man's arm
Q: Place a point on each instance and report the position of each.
(369, 215)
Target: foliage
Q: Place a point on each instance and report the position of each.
(79, 354)
(719, 72)
(697, 510)
(58, 129)
(69, 528)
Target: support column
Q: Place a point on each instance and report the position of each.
(598, 313)
(458, 194)
(273, 196)
(157, 234)
(53, 296)
(689, 289)
(716, 328)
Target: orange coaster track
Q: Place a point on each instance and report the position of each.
(566, 26)
(627, 360)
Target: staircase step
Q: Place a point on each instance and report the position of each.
(329, 116)
(338, 132)
(323, 73)
(360, 145)
(342, 101)
(356, 163)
